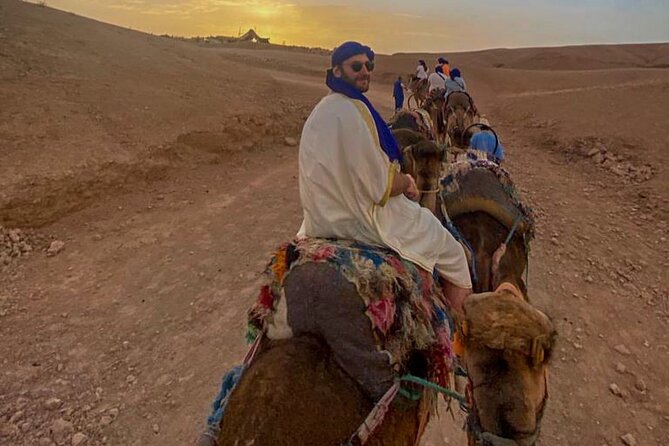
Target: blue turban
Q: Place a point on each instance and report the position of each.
(486, 142)
(455, 72)
(350, 49)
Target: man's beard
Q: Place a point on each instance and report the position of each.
(358, 81)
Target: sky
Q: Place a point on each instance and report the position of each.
(391, 26)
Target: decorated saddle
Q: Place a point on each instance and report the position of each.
(473, 182)
(417, 120)
(403, 302)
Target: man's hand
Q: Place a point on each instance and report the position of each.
(455, 297)
(411, 191)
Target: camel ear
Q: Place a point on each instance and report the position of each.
(538, 353)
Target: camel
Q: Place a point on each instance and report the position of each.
(418, 91)
(447, 118)
(459, 113)
(406, 137)
(434, 106)
(422, 159)
(418, 120)
(294, 391)
(505, 342)
(428, 119)
(484, 214)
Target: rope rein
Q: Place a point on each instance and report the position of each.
(430, 385)
(513, 229)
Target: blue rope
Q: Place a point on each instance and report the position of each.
(221, 401)
(513, 229)
(455, 233)
(430, 385)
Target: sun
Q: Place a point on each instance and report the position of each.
(269, 9)
(266, 11)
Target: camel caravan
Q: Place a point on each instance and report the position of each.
(311, 379)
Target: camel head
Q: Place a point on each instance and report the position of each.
(507, 344)
(459, 114)
(422, 161)
(413, 81)
(435, 101)
(434, 104)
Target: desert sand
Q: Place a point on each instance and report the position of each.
(166, 173)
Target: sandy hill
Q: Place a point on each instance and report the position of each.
(582, 57)
(80, 97)
(87, 105)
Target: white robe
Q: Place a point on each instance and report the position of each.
(420, 72)
(436, 80)
(345, 182)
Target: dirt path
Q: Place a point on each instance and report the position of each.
(144, 309)
(132, 325)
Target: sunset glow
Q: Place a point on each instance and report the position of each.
(393, 26)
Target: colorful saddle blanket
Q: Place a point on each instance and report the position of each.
(404, 303)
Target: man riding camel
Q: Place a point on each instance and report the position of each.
(437, 80)
(455, 82)
(351, 188)
(421, 70)
(445, 67)
(350, 184)
(421, 75)
(486, 141)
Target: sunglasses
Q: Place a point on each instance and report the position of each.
(357, 66)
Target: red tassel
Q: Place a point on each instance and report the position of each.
(265, 299)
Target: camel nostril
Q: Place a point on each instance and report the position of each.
(523, 435)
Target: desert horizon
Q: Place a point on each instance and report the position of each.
(392, 27)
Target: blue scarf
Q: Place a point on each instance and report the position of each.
(386, 137)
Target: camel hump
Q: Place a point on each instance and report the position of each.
(459, 99)
(404, 119)
(484, 186)
(406, 137)
(416, 120)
